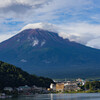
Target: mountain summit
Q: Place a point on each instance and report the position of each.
(44, 52)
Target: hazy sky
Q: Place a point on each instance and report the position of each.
(79, 20)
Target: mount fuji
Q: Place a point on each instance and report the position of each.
(38, 49)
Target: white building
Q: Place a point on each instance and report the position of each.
(8, 89)
(80, 81)
(53, 86)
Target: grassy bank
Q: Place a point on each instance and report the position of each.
(87, 91)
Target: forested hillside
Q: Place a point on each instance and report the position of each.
(12, 76)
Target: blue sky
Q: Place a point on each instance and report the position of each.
(79, 19)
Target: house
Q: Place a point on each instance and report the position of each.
(60, 87)
(53, 87)
(2, 94)
(71, 86)
(36, 89)
(10, 89)
(24, 88)
(80, 81)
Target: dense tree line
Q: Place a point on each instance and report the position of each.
(11, 76)
(92, 85)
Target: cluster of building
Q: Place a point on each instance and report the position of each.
(26, 90)
(4, 96)
(67, 86)
(57, 87)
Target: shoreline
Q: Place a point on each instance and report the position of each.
(71, 92)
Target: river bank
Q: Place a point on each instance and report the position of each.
(81, 91)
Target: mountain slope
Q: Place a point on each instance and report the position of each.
(45, 53)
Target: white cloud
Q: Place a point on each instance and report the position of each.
(95, 43)
(40, 10)
(83, 33)
(5, 36)
(5, 3)
(44, 26)
(23, 60)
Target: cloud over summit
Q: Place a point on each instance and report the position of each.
(84, 33)
(44, 26)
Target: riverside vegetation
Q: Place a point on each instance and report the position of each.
(89, 87)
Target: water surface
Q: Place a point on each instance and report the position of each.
(79, 96)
